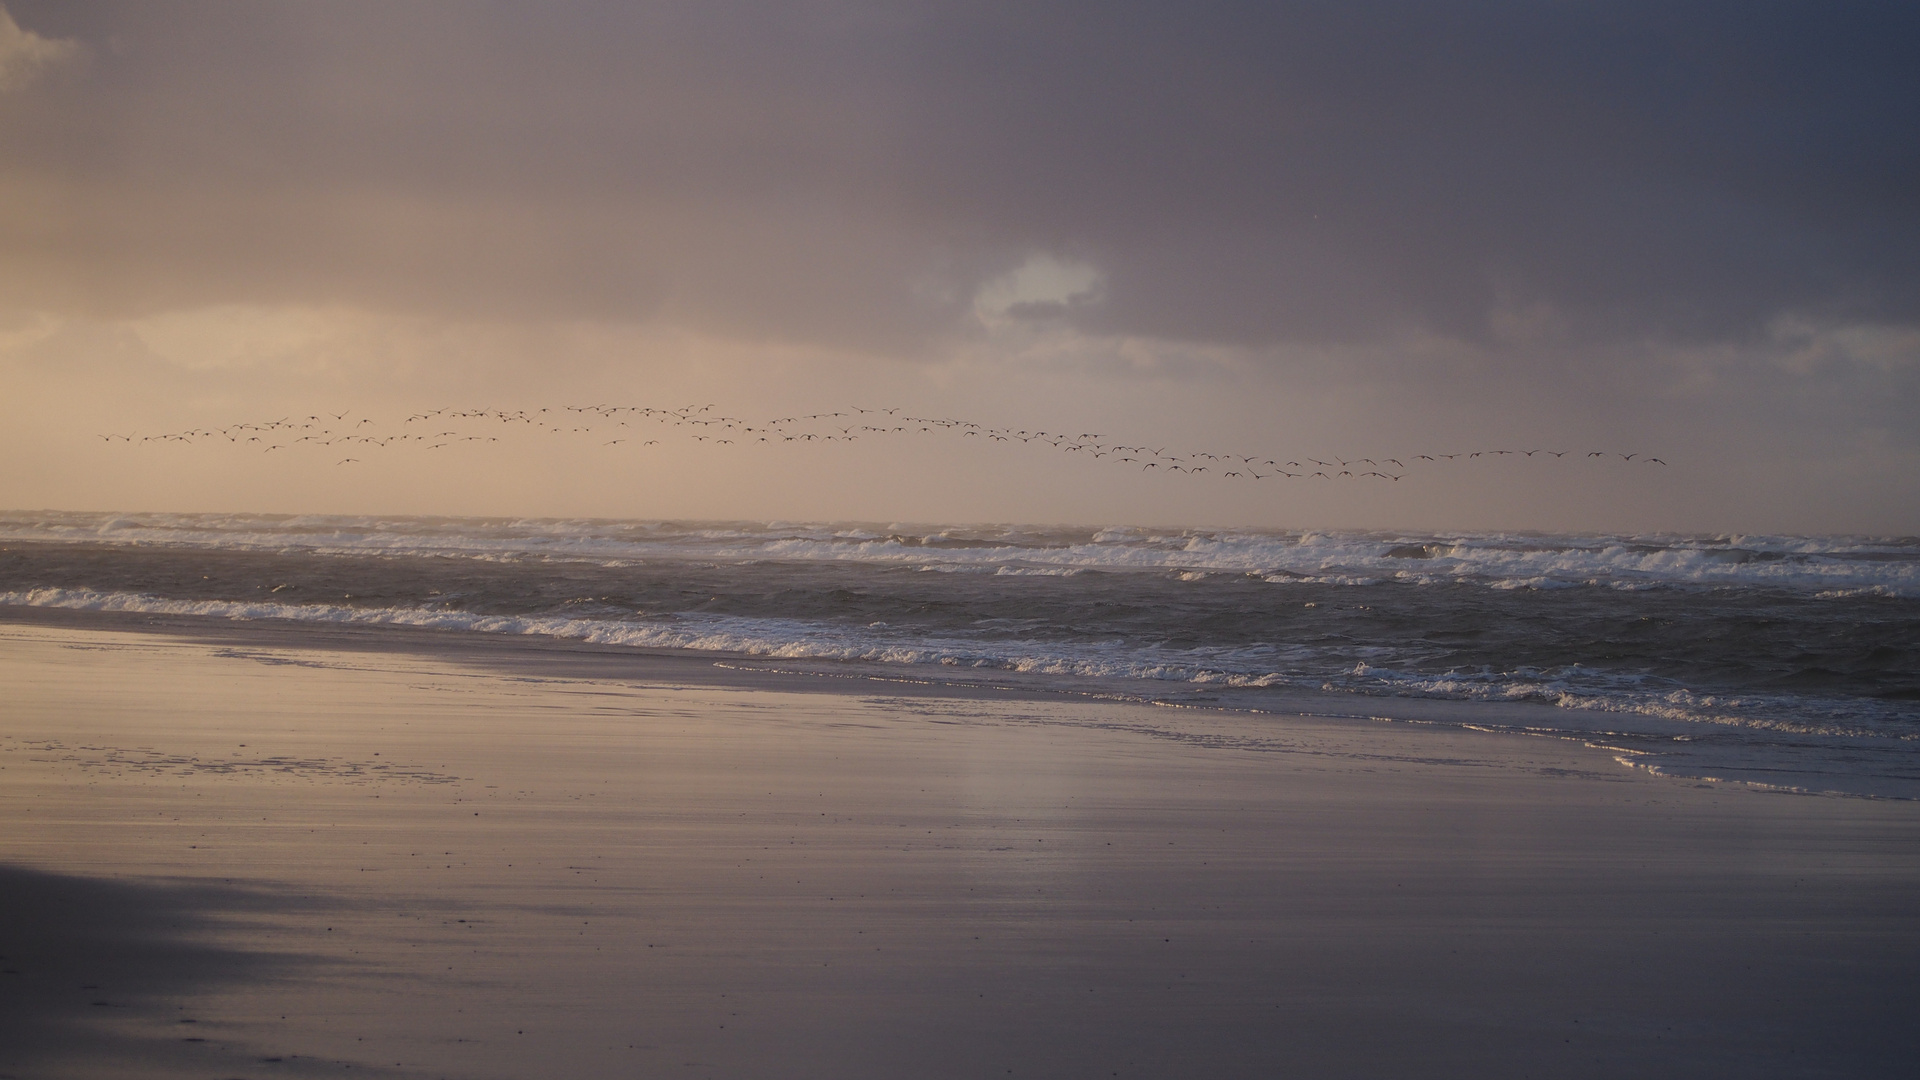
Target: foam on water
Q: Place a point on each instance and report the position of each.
(1834, 566)
(1756, 639)
(1257, 666)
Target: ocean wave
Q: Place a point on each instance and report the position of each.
(1371, 671)
(1827, 565)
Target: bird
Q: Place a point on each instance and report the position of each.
(837, 425)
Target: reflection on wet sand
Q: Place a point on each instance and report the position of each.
(416, 853)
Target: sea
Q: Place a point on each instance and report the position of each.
(1785, 662)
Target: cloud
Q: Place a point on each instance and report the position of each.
(1041, 287)
(854, 174)
(1807, 347)
(24, 55)
(1692, 227)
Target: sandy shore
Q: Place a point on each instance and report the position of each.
(260, 851)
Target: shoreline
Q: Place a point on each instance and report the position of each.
(535, 653)
(491, 859)
(527, 652)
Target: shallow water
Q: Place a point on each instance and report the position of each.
(1787, 660)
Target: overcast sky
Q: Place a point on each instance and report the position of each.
(1691, 231)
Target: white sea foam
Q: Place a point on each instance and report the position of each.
(1249, 667)
(1832, 566)
(1772, 623)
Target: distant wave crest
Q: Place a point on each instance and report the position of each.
(1828, 566)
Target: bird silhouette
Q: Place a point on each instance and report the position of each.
(704, 424)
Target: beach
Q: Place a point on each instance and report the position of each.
(259, 849)
(574, 541)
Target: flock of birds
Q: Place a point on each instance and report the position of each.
(441, 429)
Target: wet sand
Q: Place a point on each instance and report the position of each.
(255, 851)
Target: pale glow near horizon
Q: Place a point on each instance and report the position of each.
(1266, 247)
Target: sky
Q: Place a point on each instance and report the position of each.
(1290, 231)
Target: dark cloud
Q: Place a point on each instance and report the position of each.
(1241, 173)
